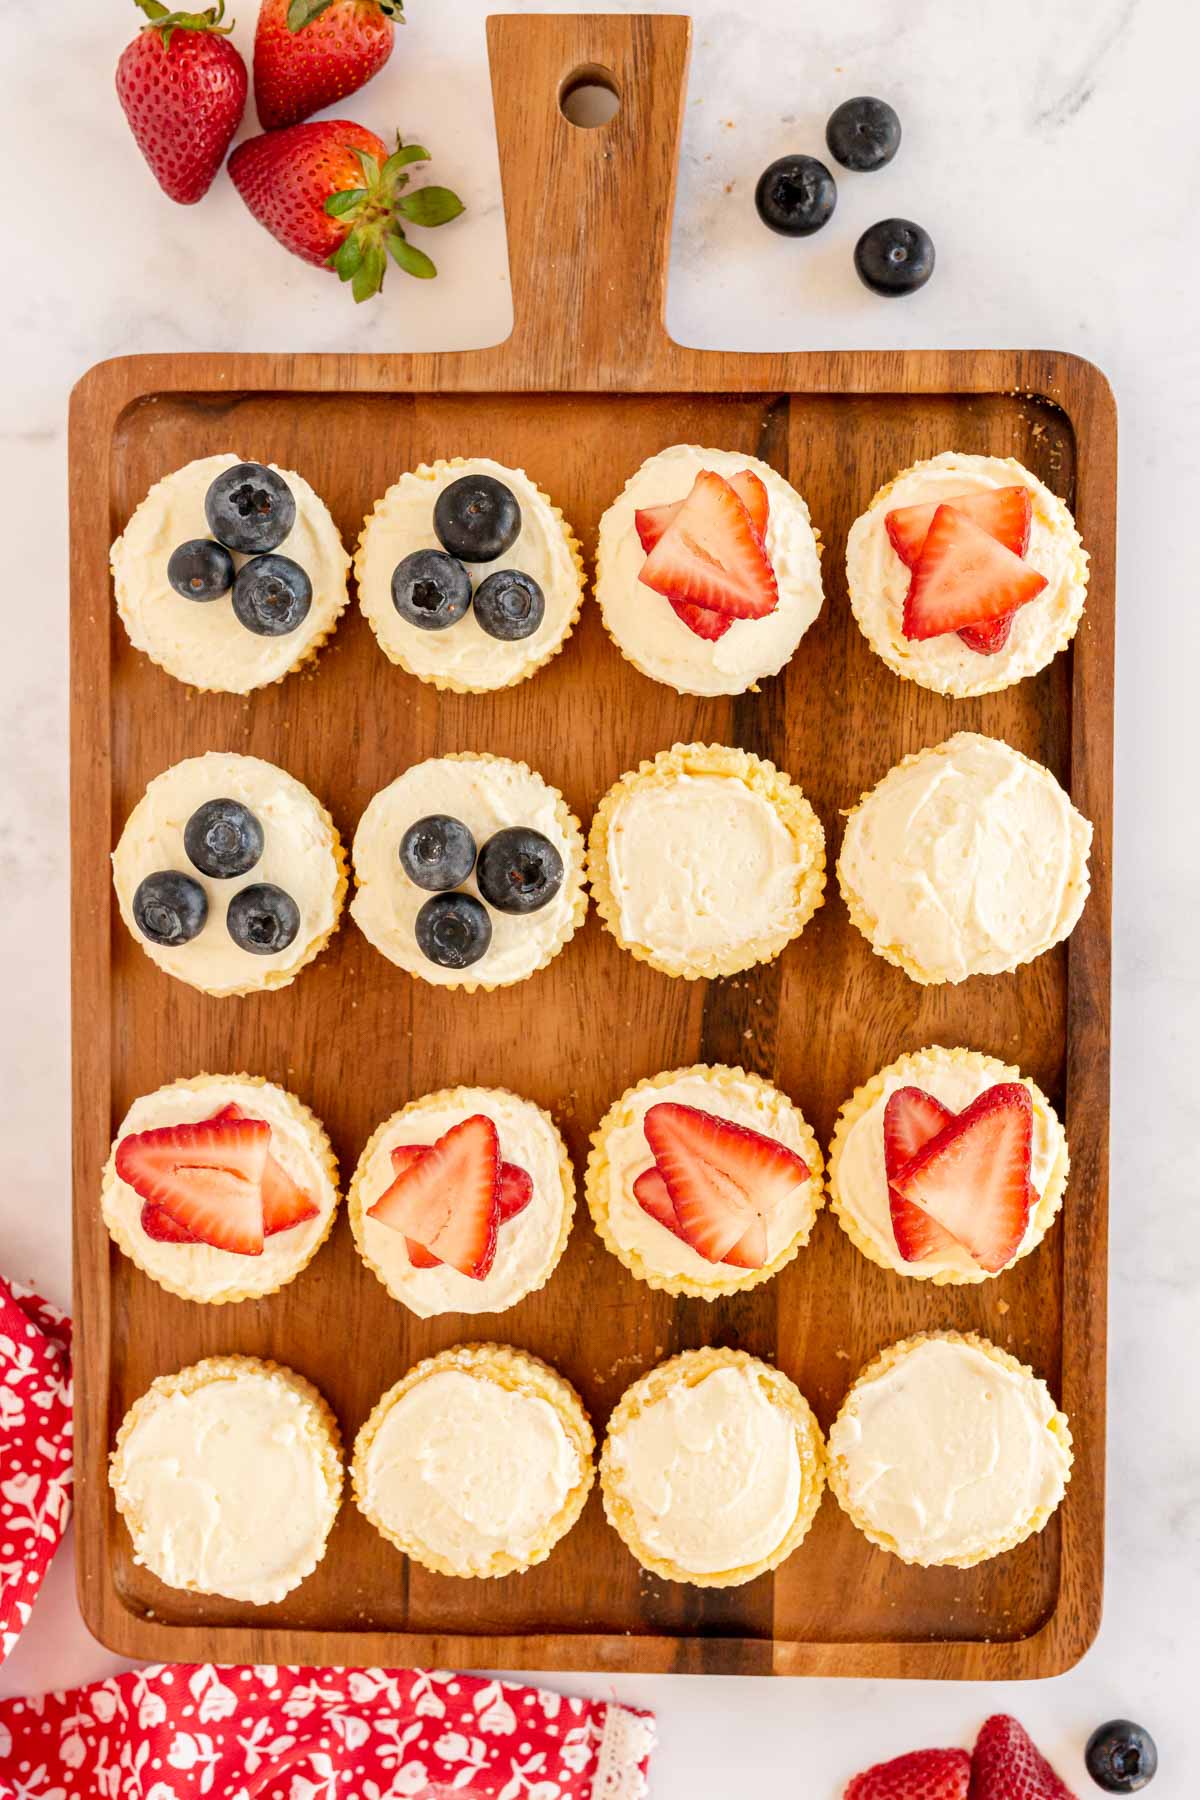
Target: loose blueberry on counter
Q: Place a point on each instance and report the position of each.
(250, 508)
(431, 590)
(271, 595)
(795, 196)
(262, 919)
(437, 852)
(477, 518)
(223, 838)
(894, 257)
(1121, 1757)
(509, 605)
(170, 908)
(519, 870)
(863, 134)
(200, 570)
(453, 930)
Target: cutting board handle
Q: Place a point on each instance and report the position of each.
(589, 210)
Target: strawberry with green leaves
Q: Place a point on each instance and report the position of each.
(309, 54)
(331, 194)
(182, 87)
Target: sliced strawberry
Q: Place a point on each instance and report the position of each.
(921, 1775)
(160, 1226)
(1007, 1765)
(284, 1202)
(1004, 513)
(652, 521)
(711, 555)
(910, 1118)
(973, 1176)
(207, 1176)
(963, 576)
(990, 638)
(750, 1251)
(516, 1190)
(701, 619)
(650, 1192)
(723, 1179)
(448, 1199)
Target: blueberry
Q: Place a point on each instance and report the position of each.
(477, 518)
(1121, 1757)
(262, 919)
(795, 196)
(453, 930)
(170, 908)
(250, 508)
(437, 852)
(894, 257)
(223, 838)
(271, 595)
(509, 605)
(431, 590)
(200, 570)
(519, 870)
(863, 134)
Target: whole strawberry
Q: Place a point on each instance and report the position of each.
(309, 54)
(331, 194)
(182, 86)
(921, 1775)
(1007, 1765)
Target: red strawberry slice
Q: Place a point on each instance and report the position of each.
(921, 1775)
(284, 1202)
(723, 1179)
(650, 1192)
(207, 1177)
(973, 1177)
(448, 1198)
(910, 1118)
(1004, 513)
(160, 1226)
(702, 620)
(1007, 1765)
(711, 555)
(652, 521)
(964, 576)
(515, 1194)
(990, 638)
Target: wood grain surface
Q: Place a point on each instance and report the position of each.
(587, 386)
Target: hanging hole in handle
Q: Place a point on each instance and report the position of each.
(589, 96)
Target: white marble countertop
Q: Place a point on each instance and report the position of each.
(1052, 151)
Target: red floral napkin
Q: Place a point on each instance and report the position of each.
(35, 1449)
(184, 1733)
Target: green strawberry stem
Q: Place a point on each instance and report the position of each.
(166, 22)
(375, 215)
(303, 12)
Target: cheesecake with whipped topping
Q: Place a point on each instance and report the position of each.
(715, 599)
(476, 1463)
(228, 1476)
(713, 1468)
(947, 1451)
(966, 859)
(705, 861)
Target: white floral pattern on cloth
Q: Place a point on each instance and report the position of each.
(187, 1732)
(35, 1451)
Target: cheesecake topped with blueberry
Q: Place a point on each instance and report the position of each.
(230, 574)
(469, 575)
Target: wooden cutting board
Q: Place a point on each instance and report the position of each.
(587, 386)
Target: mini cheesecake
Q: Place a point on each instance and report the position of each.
(705, 861)
(966, 574)
(947, 1451)
(220, 1187)
(469, 575)
(711, 599)
(229, 874)
(193, 586)
(947, 1166)
(228, 1476)
(966, 859)
(704, 1181)
(462, 1202)
(713, 1468)
(476, 1463)
(469, 872)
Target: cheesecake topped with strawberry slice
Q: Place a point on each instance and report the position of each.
(704, 1181)
(220, 1187)
(463, 1201)
(947, 1166)
(708, 570)
(966, 574)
